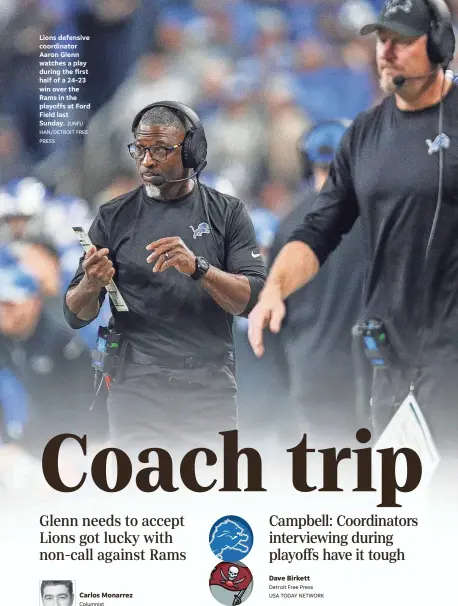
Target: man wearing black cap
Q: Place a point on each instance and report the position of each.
(402, 29)
(396, 169)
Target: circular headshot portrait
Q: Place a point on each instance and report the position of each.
(56, 593)
(231, 538)
(231, 583)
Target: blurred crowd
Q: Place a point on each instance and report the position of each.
(258, 72)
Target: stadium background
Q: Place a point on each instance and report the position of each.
(257, 72)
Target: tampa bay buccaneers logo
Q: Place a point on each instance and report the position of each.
(231, 583)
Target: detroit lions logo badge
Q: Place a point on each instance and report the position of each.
(398, 5)
(442, 141)
(202, 228)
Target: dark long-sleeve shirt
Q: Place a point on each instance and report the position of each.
(387, 172)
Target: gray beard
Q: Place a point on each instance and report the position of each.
(152, 191)
(387, 85)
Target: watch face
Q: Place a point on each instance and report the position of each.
(202, 264)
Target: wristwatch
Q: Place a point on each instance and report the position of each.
(202, 266)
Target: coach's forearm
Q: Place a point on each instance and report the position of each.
(83, 300)
(295, 265)
(230, 291)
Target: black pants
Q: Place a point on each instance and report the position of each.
(155, 406)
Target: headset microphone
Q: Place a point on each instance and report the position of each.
(399, 80)
(159, 179)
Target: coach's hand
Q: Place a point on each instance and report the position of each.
(269, 311)
(172, 252)
(98, 269)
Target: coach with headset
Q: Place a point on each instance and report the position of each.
(396, 169)
(185, 259)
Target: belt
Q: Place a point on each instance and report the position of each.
(178, 362)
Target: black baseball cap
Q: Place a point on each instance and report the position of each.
(405, 17)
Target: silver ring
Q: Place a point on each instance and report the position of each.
(167, 256)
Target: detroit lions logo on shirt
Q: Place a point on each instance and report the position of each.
(442, 141)
(202, 228)
(394, 6)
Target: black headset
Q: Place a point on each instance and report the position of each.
(441, 37)
(193, 152)
(194, 148)
(307, 162)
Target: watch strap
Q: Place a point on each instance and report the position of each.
(202, 266)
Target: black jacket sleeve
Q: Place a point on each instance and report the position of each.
(335, 209)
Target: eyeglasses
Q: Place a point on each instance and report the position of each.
(157, 152)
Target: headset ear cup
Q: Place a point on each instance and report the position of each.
(194, 150)
(441, 44)
(186, 150)
(432, 47)
(199, 143)
(441, 37)
(447, 43)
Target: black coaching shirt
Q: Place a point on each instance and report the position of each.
(170, 314)
(387, 172)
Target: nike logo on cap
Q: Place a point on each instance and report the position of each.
(255, 255)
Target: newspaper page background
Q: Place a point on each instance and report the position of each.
(74, 74)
